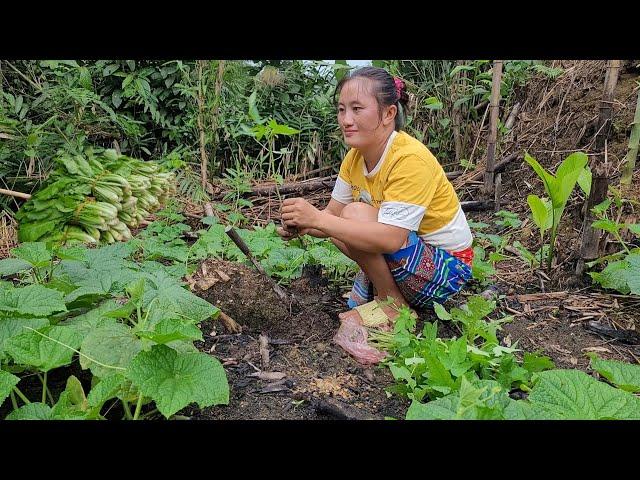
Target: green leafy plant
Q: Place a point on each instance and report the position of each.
(555, 395)
(131, 324)
(507, 219)
(558, 188)
(427, 366)
(622, 271)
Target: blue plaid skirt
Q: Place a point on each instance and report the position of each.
(423, 273)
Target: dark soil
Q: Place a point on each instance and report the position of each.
(300, 346)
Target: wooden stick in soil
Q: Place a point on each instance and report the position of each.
(263, 340)
(512, 116)
(589, 249)
(229, 323)
(341, 410)
(245, 249)
(634, 141)
(493, 128)
(498, 191)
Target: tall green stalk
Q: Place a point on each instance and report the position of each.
(634, 141)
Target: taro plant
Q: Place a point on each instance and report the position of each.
(558, 188)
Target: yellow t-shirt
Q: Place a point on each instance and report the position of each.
(410, 189)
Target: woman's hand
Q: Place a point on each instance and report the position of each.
(287, 234)
(300, 214)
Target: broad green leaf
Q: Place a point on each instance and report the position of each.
(402, 373)
(12, 326)
(632, 273)
(475, 400)
(613, 276)
(523, 410)
(469, 395)
(165, 297)
(85, 78)
(601, 207)
(477, 307)
(573, 165)
(30, 232)
(624, 375)
(444, 408)
(510, 372)
(456, 358)
(72, 403)
(541, 212)
(72, 253)
(572, 394)
(98, 317)
(548, 180)
(533, 362)
(182, 346)
(284, 130)
(106, 389)
(11, 266)
(100, 283)
(585, 179)
(7, 382)
(154, 249)
(441, 312)
(432, 103)
(170, 330)
(635, 228)
(477, 225)
(567, 176)
(253, 110)
(113, 345)
(45, 349)
(177, 270)
(31, 300)
(175, 380)
(32, 411)
(36, 253)
(438, 377)
(110, 257)
(608, 225)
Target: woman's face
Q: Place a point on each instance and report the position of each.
(358, 114)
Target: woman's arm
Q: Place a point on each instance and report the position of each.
(367, 236)
(372, 237)
(333, 208)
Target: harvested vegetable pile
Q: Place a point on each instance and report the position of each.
(94, 198)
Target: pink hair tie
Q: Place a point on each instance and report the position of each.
(399, 86)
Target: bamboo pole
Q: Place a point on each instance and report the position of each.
(11, 193)
(634, 141)
(456, 116)
(590, 247)
(493, 127)
(204, 161)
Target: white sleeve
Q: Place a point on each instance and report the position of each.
(342, 192)
(399, 214)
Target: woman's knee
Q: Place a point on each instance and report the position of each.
(360, 211)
